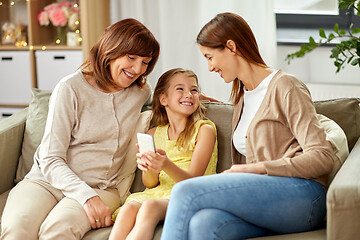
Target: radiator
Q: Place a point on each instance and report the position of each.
(321, 92)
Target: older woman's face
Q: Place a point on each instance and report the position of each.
(126, 69)
(222, 61)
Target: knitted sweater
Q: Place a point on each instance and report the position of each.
(285, 133)
(86, 138)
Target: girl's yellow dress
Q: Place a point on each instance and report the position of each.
(181, 158)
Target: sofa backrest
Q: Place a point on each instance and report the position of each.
(221, 115)
(346, 113)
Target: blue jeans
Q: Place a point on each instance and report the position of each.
(243, 205)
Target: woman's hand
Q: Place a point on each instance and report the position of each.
(257, 168)
(205, 98)
(98, 213)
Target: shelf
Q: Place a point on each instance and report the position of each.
(56, 47)
(12, 48)
(14, 105)
(94, 18)
(44, 47)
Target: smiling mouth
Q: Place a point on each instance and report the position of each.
(128, 74)
(220, 72)
(187, 103)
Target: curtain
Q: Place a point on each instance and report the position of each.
(176, 23)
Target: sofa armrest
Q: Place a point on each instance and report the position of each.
(11, 137)
(343, 200)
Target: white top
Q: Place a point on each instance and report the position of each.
(86, 137)
(252, 101)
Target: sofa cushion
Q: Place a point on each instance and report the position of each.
(221, 115)
(346, 113)
(3, 198)
(336, 136)
(34, 130)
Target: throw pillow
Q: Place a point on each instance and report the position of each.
(34, 130)
(336, 136)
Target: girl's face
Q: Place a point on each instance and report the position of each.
(182, 96)
(126, 69)
(222, 61)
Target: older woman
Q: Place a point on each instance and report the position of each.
(79, 174)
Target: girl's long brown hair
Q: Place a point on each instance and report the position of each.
(229, 26)
(160, 118)
(127, 36)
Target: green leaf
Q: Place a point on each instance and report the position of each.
(331, 36)
(342, 32)
(335, 52)
(336, 28)
(356, 31)
(349, 60)
(304, 48)
(312, 42)
(355, 61)
(343, 4)
(322, 33)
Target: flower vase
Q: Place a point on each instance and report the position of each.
(61, 35)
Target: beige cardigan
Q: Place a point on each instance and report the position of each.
(86, 138)
(285, 133)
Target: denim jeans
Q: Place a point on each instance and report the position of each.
(243, 205)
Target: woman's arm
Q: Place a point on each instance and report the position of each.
(52, 152)
(199, 161)
(317, 157)
(257, 168)
(52, 157)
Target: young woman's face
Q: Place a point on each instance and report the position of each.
(182, 96)
(126, 69)
(222, 61)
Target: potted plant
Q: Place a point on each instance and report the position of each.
(345, 52)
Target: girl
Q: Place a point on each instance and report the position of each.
(281, 158)
(186, 147)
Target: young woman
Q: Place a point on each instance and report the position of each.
(281, 158)
(186, 147)
(78, 178)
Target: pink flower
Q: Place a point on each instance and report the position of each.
(64, 4)
(58, 18)
(59, 14)
(43, 18)
(51, 7)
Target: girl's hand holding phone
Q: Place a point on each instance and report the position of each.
(157, 161)
(141, 164)
(152, 161)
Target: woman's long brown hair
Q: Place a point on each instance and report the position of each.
(229, 26)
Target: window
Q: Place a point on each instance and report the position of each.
(307, 16)
(306, 7)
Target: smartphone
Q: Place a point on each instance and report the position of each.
(146, 142)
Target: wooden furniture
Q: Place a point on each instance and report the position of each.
(94, 18)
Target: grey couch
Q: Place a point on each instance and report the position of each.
(343, 199)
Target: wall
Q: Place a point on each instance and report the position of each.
(317, 70)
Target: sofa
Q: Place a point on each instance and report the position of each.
(21, 133)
